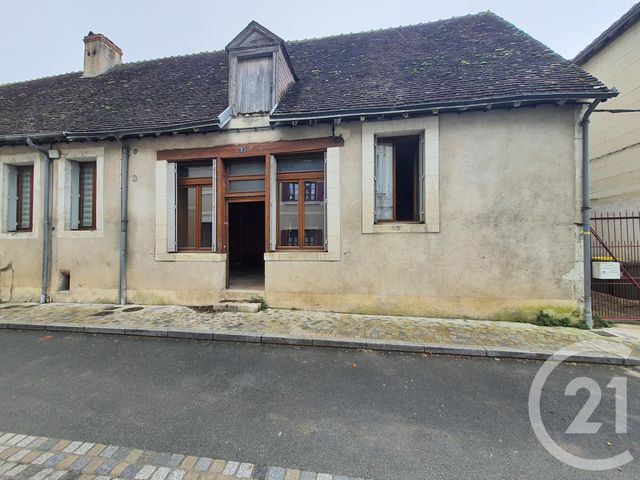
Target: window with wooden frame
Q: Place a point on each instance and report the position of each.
(246, 177)
(19, 198)
(398, 179)
(83, 195)
(301, 212)
(194, 207)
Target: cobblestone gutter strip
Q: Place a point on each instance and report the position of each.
(40, 458)
(337, 342)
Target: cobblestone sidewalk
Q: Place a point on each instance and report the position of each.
(430, 335)
(41, 458)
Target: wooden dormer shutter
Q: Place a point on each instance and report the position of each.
(254, 84)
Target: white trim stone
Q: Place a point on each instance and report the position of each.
(332, 182)
(429, 128)
(63, 223)
(19, 159)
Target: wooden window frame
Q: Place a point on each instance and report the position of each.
(224, 154)
(83, 166)
(251, 193)
(20, 169)
(416, 174)
(300, 178)
(198, 183)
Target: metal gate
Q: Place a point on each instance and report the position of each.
(616, 239)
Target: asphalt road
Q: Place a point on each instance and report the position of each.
(356, 413)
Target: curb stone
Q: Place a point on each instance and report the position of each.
(27, 326)
(518, 353)
(145, 332)
(238, 337)
(390, 345)
(105, 330)
(468, 350)
(632, 361)
(62, 327)
(609, 359)
(190, 334)
(285, 339)
(339, 342)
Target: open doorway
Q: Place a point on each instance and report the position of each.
(246, 245)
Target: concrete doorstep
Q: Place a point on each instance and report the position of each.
(325, 341)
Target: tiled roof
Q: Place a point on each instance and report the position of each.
(609, 35)
(476, 57)
(143, 94)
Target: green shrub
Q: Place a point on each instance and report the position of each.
(599, 322)
(545, 319)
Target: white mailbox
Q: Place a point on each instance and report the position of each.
(606, 270)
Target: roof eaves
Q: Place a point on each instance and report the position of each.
(190, 127)
(443, 106)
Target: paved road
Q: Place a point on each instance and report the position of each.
(356, 413)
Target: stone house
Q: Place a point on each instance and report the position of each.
(614, 57)
(432, 169)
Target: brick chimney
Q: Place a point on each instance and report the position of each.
(100, 54)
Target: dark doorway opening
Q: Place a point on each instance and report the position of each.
(246, 245)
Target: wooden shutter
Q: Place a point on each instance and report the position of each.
(74, 192)
(214, 198)
(273, 203)
(254, 84)
(421, 179)
(172, 186)
(384, 181)
(87, 194)
(12, 197)
(325, 240)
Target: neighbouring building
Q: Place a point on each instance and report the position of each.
(614, 57)
(432, 169)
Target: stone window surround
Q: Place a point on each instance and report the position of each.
(96, 154)
(160, 253)
(20, 159)
(333, 222)
(429, 128)
(332, 254)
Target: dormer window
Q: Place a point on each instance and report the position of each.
(260, 71)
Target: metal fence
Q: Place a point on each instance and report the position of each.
(616, 238)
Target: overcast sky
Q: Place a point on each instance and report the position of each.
(41, 38)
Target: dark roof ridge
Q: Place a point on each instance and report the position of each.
(388, 29)
(37, 79)
(169, 57)
(115, 68)
(287, 42)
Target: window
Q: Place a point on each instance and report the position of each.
(83, 195)
(246, 176)
(20, 198)
(301, 201)
(398, 179)
(195, 207)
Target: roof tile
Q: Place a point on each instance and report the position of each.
(466, 58)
